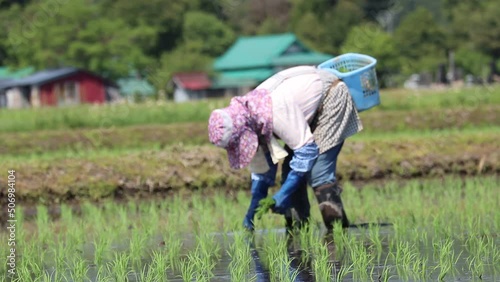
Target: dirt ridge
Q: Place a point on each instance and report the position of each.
(180, 168)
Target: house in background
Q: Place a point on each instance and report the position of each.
(7, 76)
(134, 87)
(251, 60)
(191, 86)
(248, 62)
(58, 87)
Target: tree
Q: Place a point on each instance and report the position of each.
(338, 23)
(205, 34)
(249, 17)
(166, 17)
(78, 34)
(371, 40)
(271, 26)
(8, 15)
(472, 61)
(484, 28)
(476, 27)
(421, 42)
(311, 32)
(9, 3)
(204, 37)
(450, 7)
(374, 7)
(325, 24)
(314, 7)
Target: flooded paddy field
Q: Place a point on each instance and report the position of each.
(421, 230)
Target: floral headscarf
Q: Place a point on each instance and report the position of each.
(237, 128)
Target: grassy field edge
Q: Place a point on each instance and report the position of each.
(195, 133)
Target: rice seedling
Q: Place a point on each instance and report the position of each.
(203, 266)
(477, 246)
(494, 251)
(446, 257)
(441, 228)
(119, 267)
(157, 269)
(187, 269)
(361, 259)
(75, 234)
(79, 269)
(178, 216)
(419, 267)
(101, 246)
(173, 247)
(20, 221)
(476, 266)
(137, 244)
(204, 257)
(27, 270)
(150, 224)
(146, 275)
(282, 264)
(344, 271)
(33, 258)
(403, 257)
(103, 273)
(57, 255)
(66, 214)
(400, 230)
(278, 261)
(385, 274)
(43, 225)
(4, 252)
(264, 207)
(340, 238)
(424, 239)
(123, 219)
(321, 265)
(307, 238)
(49, 277)
(22, 274)
(239, 252)
(374, 237)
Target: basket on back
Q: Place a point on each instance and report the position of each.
(358, 73)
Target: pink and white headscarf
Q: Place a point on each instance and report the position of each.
(237, 128)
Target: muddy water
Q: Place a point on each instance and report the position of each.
(259, 272)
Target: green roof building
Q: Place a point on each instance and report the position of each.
(253, 59)
(134, 86)
(11, 73)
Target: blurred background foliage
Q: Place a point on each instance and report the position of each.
(160, 37)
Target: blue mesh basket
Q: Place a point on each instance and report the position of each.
(358, 73)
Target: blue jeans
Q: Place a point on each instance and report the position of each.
(324, 169)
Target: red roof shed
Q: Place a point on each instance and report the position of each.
(192, 80)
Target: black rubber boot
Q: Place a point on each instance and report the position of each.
(330, 205)
(298, 215)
